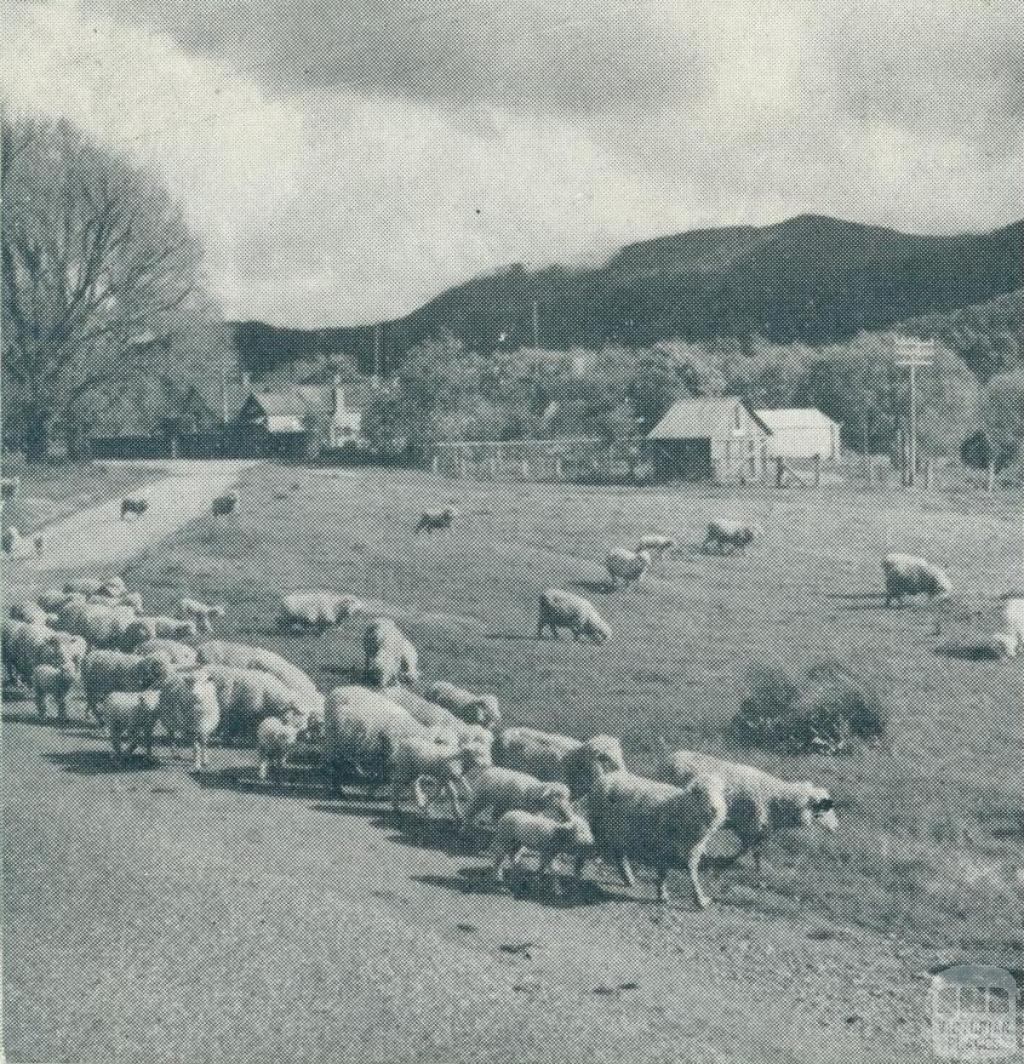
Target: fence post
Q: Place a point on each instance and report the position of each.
(817, 470)
(436, 463)
(990, 477)
(461, 466)
(558, 467)
(929, 473)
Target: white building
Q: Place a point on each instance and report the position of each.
(801, 433)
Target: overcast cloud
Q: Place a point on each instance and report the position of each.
(346, 161)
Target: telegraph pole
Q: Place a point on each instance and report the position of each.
(378, 350)
(915, 354)
(535, 322)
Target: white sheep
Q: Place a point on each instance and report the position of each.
(655, 545)
(626, 566)
(247, 696)
(180, 655)
(500, 789)
(240, 656)
(100, 626)
(550, 756)
(104, 671)
(1013, 621)
(906, 574)
(736, 535)
(142, 629)
(655, 823)
(759, 804)
(517, 831)
(390, 656)
(437, 718)
(24, 646)
(275, 738)
(467, 706)
(54, 599)
(435, 520)
(54, 681)
(415, 758)
(560, 609)
(317, 609)
(131, 717)
(200, 613)
(188, 705)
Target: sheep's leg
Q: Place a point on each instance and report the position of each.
(263, 768)
(499, 866)
(41, 703)
(757, 865)
(197, 754)
(453, 794)
(62, 706)
(625, 869)
(115, 742)
(693, 866)
(661, 885)
(417, 790)
(580, 864)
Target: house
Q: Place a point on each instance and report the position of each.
(709, 439)
(332, 414)
(801, 433)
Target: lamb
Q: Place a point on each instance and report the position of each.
(467, 706)
(275, 739)
(390, 657)
(908, 575)
(248, 696)
(224, 504)
(437, 718)
(625, 566)
(245, 657)
(654, 544)
(136, 507)
(415, 757)
(188, 704)
(500, 789)
(178, 655)
(550, 756)
(199, 613)
(435, 520)
(112, 587)
(54, 681)
(736, 535)
(517, 831)
(656, 823)
(104, 671)
(24, 646)
(100, 626)
(758, 804)
(142, 629)
(317, 609)
(560, 609)
(131, 717)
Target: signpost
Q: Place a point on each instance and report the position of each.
(913, 353)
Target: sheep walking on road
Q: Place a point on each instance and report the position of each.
(626, 566)
(131, 717)
(105, 671)
(390, 656)
(517, 832)
(136, 507)
(188, 706)
(500, 789)
(561, 609)
(436, 520)
(275, 739)
(415, 759)
(734, 535)
(906, 575)
(240, 656)
(53, 681)
(557, 758)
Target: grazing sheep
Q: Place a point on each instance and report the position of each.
(9, 487)
(135, 507)
(390, 657)
(436, 717)
(188, 705)
(99, 626)
(142, 629)
(625, 566)
(104, 671)
(131, 717)
(248, 696)
(245, 657)
(550, 756)
(908, 575)
(656, 823)
(54, 681)
(112, 586)
(467, 706)
(654, 544)
(758, 804)
(317, 609)
(560, 609)
(435, 520)
(736, 535)
(275, 738)
(224, 504)
(517, 831)
(500, 789)
(30, 613)
(199, 613)
(415, 758)
(178, 655)
(24, 646)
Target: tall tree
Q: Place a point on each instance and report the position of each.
(101, 277)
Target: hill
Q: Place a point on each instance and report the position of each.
(812, 278)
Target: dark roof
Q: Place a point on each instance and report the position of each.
(689, 419)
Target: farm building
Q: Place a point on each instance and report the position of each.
(801, 433)
(332, 413)
(709, 439)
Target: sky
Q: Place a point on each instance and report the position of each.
(345, 160)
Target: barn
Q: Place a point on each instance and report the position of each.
(709, 439)
(801, 433)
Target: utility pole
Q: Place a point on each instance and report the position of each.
(224, 392)
(535, 321)
(378, 351)
(915, 354)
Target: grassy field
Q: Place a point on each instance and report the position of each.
(932, 824)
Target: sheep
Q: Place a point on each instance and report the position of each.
(436, 717)
(275, 738)
(517, 831)
(24, 646)
(550, 756)
(199, 613)
(908, 575)
(14, 544)
(224, 504)
(625, 566)
(736, 535)
(415, 757)
(656, 823)
(435, 520)
(112, 586)
(188, 705)
(1013, 620)
(54, 599)
(759, 804)
(654, 544)
(179, 655)
(467, 706)
(560, 609)
(55, 681)
(136, 507)
(9, 487)
(104, 671)
(142, 629)
(131, 717)
(241, 656)
(500, 789)
(248, 696)
(317, 609)
(30, 613)
(100, 626)
(390, 657)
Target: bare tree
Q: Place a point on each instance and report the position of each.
(101, 276)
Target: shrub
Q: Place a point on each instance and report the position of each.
(827, 710)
